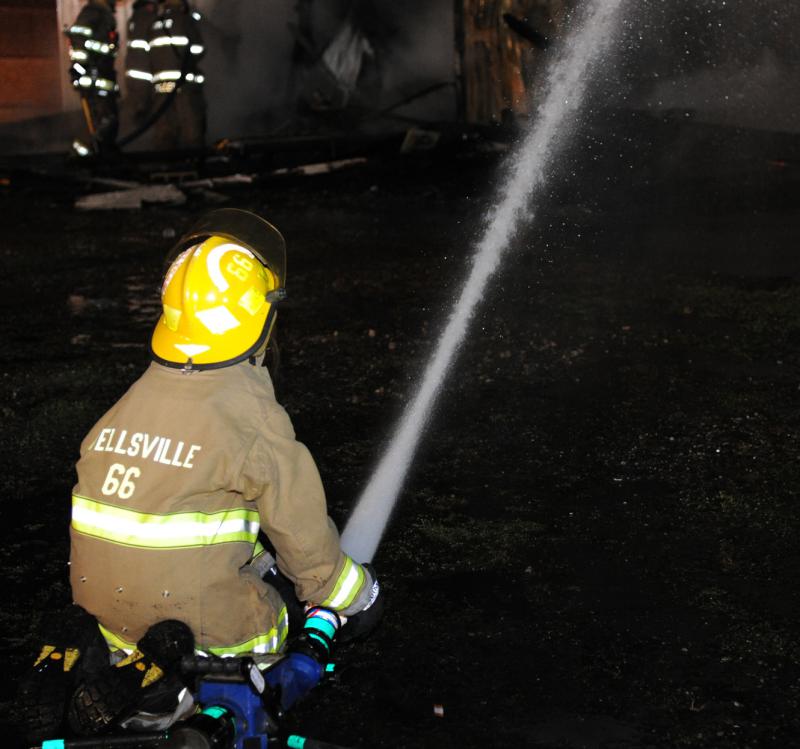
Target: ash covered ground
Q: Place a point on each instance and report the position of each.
(598, 545)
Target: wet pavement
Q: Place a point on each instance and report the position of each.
(597, 547)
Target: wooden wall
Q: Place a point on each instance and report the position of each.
(499, 69)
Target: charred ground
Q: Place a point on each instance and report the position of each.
(598, 544)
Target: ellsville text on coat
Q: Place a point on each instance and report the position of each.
(150, 447)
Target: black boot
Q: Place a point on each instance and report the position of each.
(148, 679)
(74, 648)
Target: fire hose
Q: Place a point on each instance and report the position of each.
(237, 712)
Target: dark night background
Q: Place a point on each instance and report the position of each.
(597, 546)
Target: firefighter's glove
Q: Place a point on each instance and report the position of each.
(304, 665)
(360, 625)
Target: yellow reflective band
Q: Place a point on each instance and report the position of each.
(140, 75)
(258, 550)
(173, 531)
(164, 41)
(271, 642)
(99, 47)
(347, 587)
(283, 627)
(114, 642)
(167, 75)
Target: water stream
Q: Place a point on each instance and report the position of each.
(565, 90)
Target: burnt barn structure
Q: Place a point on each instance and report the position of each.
(287, 66)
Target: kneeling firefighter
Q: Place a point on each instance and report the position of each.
(175, 484)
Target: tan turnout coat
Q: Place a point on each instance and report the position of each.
(173, 483)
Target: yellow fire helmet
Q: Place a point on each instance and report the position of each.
(219, 292)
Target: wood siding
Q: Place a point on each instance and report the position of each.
(499, 69)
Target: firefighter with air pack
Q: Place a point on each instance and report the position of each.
(93, 51)
(176, 48)
(138, 76)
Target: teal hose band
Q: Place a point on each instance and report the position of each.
(215, 711)
(322, 625)
(295, 742)
(53, 744)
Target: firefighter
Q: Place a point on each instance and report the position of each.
(93, 51)
(179, 478)
(176, 47)
(138, 76)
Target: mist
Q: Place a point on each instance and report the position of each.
(726, 63)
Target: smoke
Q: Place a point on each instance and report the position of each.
(763, 95)
(729, 63)
(247, 65)
(417, 52)
(252, 78)
(733, 63)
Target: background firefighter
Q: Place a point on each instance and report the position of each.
(176, 47)
(138, 75)
(93, 50)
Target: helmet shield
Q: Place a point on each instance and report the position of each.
(242, 227)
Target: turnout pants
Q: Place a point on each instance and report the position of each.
(183, 125)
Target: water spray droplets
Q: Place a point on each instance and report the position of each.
(566, 88)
